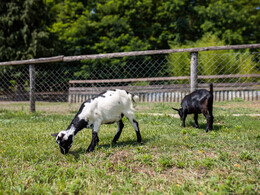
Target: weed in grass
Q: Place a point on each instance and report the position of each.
(245, 155)
(208, 162)
(146, 159)
(224, 156)
(180, 164)
(165, 161)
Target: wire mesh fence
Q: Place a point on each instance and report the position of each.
(152, 77)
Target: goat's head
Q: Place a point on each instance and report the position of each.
(180, 111)
(65, 140)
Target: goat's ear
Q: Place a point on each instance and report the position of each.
(175, 109)
(54, 134)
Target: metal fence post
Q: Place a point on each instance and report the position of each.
(32, 87)
(194, 71)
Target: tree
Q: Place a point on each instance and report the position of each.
(119, 25)
(235, 22)
(23, 35)
(23, 30)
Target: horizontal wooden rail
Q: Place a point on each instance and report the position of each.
(162, 78)
(156, 52)
(33, 61)
(124, 54)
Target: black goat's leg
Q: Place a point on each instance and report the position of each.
(196, 120)
(184, 118)
(120, 126)
(211, 116)
(207, 116)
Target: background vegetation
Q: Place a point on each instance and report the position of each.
(38, 28)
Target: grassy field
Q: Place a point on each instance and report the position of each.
(171, 160)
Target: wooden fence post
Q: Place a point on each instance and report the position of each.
(32, 87)
(194, 71)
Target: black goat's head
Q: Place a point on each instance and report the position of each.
(65, 140)
(180, 111)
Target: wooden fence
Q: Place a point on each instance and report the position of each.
(248, 95)
(193, 51)
(168, 93)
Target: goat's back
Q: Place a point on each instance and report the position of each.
(195, 101)
(108, 106)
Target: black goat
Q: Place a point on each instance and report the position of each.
(199, 101)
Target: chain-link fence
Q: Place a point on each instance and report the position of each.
(153, 77)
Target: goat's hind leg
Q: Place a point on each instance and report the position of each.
(120, 126)
(210, 108)
(136, 127)
(208, 117)
(131, 118)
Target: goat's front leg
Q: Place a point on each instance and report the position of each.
(196, 120)
(184, 118)
(95, 138)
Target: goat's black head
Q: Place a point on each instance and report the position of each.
(180, 111)
(65, 140)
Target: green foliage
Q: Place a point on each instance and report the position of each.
(212, 62)
(23, 35)
(126, 25)
(31, 29)
(23, 32)
(231, 21)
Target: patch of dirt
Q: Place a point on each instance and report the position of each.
(121, 156)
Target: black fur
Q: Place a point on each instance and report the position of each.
(199, 101)
(65, 145)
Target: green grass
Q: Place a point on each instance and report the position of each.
(171, 160)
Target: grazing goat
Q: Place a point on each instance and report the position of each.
(199, 101)
(106, 108)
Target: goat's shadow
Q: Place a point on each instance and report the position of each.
(203, 126)
(120, 144)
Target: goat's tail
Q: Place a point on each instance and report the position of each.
(135, 98)
(211, 88)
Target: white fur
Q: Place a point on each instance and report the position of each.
(108, 108)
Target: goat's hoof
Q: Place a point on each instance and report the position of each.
(90, 150)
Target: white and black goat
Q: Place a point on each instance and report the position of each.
(106, 108)
(199, 101)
